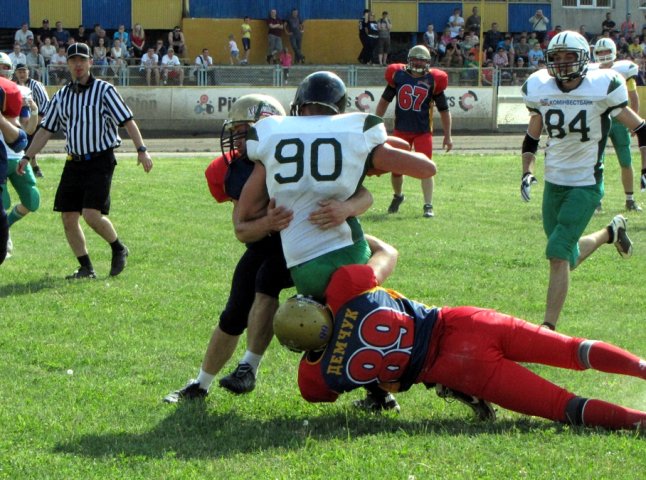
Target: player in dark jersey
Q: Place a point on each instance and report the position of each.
(417, 88)
(378, 337)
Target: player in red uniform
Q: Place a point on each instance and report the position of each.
(417, 88)
(15, 138)
(379, 337)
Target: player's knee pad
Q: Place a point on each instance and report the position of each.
(583, 353)
(574, 410)
(233, 321)
(31, 198)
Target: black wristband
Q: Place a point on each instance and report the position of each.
(27, 157)
(530, 145)
(549, 325)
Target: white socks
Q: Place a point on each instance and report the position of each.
(253, 360)
(205, 379)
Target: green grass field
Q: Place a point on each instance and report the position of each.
(132, 339)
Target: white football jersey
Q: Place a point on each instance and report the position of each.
(313, 158)
(577, 122)
(627, 68)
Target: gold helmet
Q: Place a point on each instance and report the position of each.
(419, 59)
(302, 324)
(247, 109)
(6, 67)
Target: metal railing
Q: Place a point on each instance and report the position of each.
(270, 75)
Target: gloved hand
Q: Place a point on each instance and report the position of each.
(526, 184)
(377, 402)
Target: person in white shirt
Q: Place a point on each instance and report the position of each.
(150, 63)
(17, 56)
(47, 50)
(23, 34)
(204, 60)
(171, 67)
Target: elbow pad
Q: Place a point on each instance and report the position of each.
(640, 132)
(530, 145)
(389, 93)
(441, 103)
(21, 142)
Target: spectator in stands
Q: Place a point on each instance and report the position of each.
(508, 45)
(430, 41)
(622, 48)
(118, 56)
(245, 31)
(81, 35)
(522, 48)
(234, 51)
(160, 50)
(100, 55)
(474, 21)
(453, 60)
(275, 28)
(138, 40)
(285, 63)
(35, 64)
(520, 72)
(608, 24)
(104, 35)
(92, 39)
(363, 37)
(470, 39)
(22, 35)
(535, 56)
(17, 56)
(26, 48)
(628, 25)
(635, 49)
(294, 28)
(177, 41)
(445, 40)
(204, 59)
(491, 39)
(532, 39)
(552, 33)
(122, 35)
(43, 33)
(502, 63)
(58, 67)
(470, 73)
(456, 22)
(586, 35)
(171, 67)
(539, 24)
(373, 37)
(150, 63)
(60, 34)
(487, 73)
(47, 50)
(383, 44)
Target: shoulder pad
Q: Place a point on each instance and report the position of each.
(441, 80)
(391, 70)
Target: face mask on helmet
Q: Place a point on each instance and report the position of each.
(321, 88)
(419, 59)
(302, 324)
(568, 55)
(605, 51)
(6, 67)
(246, 111)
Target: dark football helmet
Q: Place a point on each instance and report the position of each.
(321, 88)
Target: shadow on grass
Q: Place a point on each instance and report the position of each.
(30, 287)
(191, 431)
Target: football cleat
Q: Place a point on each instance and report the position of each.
(119, 260)
(428, 210)
(526, 183)
(395, 203)
(241, 380)
(376, 403)
(632, 206)
(38, 172)
(192, 391)
(618, 227)
(482, 409)
(9, 246)
(599, 209)
(642, 180)
(82, 273)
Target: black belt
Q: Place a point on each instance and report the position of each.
(87, 156)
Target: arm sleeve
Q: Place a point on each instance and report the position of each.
(215, 174)
(441, 81)
(116, 107)
(311, 383)
(348, 282)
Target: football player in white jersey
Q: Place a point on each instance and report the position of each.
(605, 54)
(574, 105)
(319, 154)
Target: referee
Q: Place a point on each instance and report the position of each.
(89, 111)
(39, 94)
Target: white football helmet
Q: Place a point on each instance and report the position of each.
(302, 324)
(605, 45)
(6, 67)
(568, 42)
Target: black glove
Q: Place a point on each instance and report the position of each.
(526, 184)
(377, 402)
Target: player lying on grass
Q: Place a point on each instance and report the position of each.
(370, 336)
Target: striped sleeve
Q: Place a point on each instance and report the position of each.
(40, 96)
(52, 120)
(115, 106)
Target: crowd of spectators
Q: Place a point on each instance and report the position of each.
(515, 55)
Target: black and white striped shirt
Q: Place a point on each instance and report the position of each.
(89, 118)
(39, 94)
